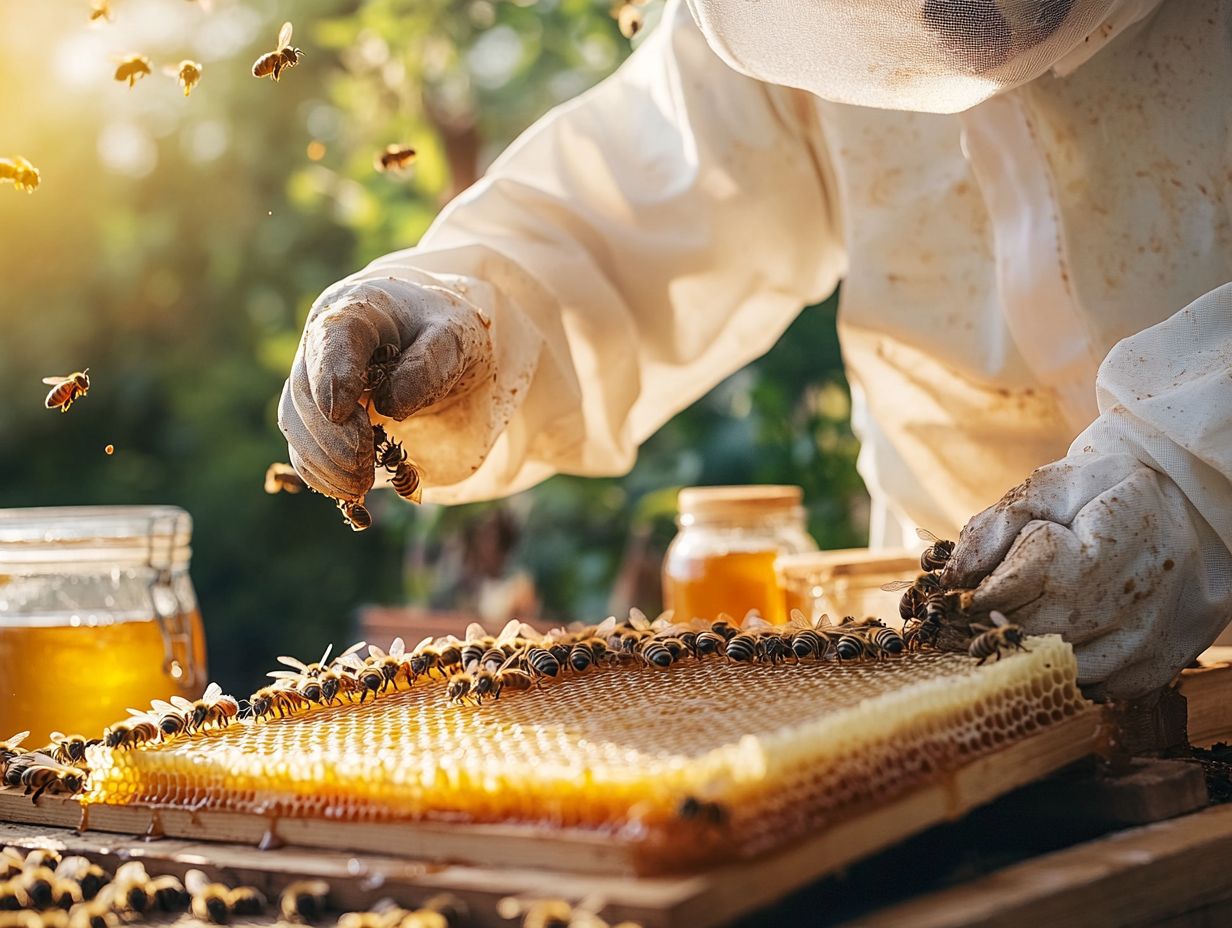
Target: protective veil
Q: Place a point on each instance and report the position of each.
(928, 56)
(645, 240)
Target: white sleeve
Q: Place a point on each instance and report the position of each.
(1165, 396)
(631, 249)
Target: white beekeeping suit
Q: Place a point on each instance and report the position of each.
(1013, 194)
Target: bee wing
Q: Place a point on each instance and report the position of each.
(180, 703)
(925, 535)
(71, 866)
(725, 617)
(475, 631)
(292, 662)
(798, 620)
(895, 585)
(283, 675)
(163, 707)
(139, 713)
(350, 661)
(754, 622)
(512, 629)
(397, 648)
(423, 644)
(212, 692)
(823, 621)
(325, 657)
(998, 618)
(606, 627)
(509, 661)
(349, 651)
(638, 620)
(284, 35)
(55, 381)
(376, 653)
(58, 736)
(472, 666)
(43, 760)
(194, 880)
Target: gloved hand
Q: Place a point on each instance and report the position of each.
(1108, 553)
(446, 351)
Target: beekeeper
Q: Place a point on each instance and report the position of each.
(1028, 203)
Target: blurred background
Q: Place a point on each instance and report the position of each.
(176, 244)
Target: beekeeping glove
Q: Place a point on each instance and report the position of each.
(1110, 554)
(445, 353)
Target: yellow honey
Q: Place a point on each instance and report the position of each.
(784, 750)
(79, 679)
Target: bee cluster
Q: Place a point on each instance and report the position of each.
(557, 913)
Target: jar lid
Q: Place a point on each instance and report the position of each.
(154, 535)
(738, 502)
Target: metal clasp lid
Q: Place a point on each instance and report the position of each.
(170, 611)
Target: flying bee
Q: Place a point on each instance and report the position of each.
(284, 56)
(304, 901)
(130, 733)
(213, 709)
(44, 775)
(394, 158)
(282, 478)
(630, 19)
(276, 700)
(356, 514)
(131, 68)
(187, 72)
(69, 749)
(938, 552)
(1002, 635)
(100, 9)
(67, 390)
(21, 172)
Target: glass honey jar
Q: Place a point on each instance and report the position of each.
(97, 614)
(723, 557)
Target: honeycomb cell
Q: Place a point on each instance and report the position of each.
(778, 751)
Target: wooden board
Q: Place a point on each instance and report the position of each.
(506, 861)
(1175, 872)
(1208, 693)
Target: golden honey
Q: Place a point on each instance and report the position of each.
(82, 678)
(785, 750)
(733, 583)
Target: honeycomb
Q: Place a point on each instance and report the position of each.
(705, 762)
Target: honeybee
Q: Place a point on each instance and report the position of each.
(36, 887)
(394, 158)
(304, 901)
(724, 626)
(376, 375)
(277, 699)
(130, 733)
(69, 749)
(885, 640)
(67, 390)
(284, 56)
(172, 721)
(12, 747)
(1002, 635)
(100, 9)
(43, 857)
(938, 552)
(807, 640)
(187, 72)
(97, 912)
(387, 453)
(630, 19)
(509, 677)
(65, 894)
(131, 890)
(168, 893)
(406, 482)
(659, 652)
(42, 774)
(460, 683)
(21, 172)
(11, 863)
(89, 876)
(356, 514)
(282, 478)
(131, 68)
(319, 682)
(428, 656)
(588, 650)
(216, 902)
(850, 647)
(477, 642)
(213, 709)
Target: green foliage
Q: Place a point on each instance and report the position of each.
(175, 247)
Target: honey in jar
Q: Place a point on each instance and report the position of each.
(97, 614)
(723, 558)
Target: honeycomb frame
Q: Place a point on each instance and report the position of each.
(776, 753)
